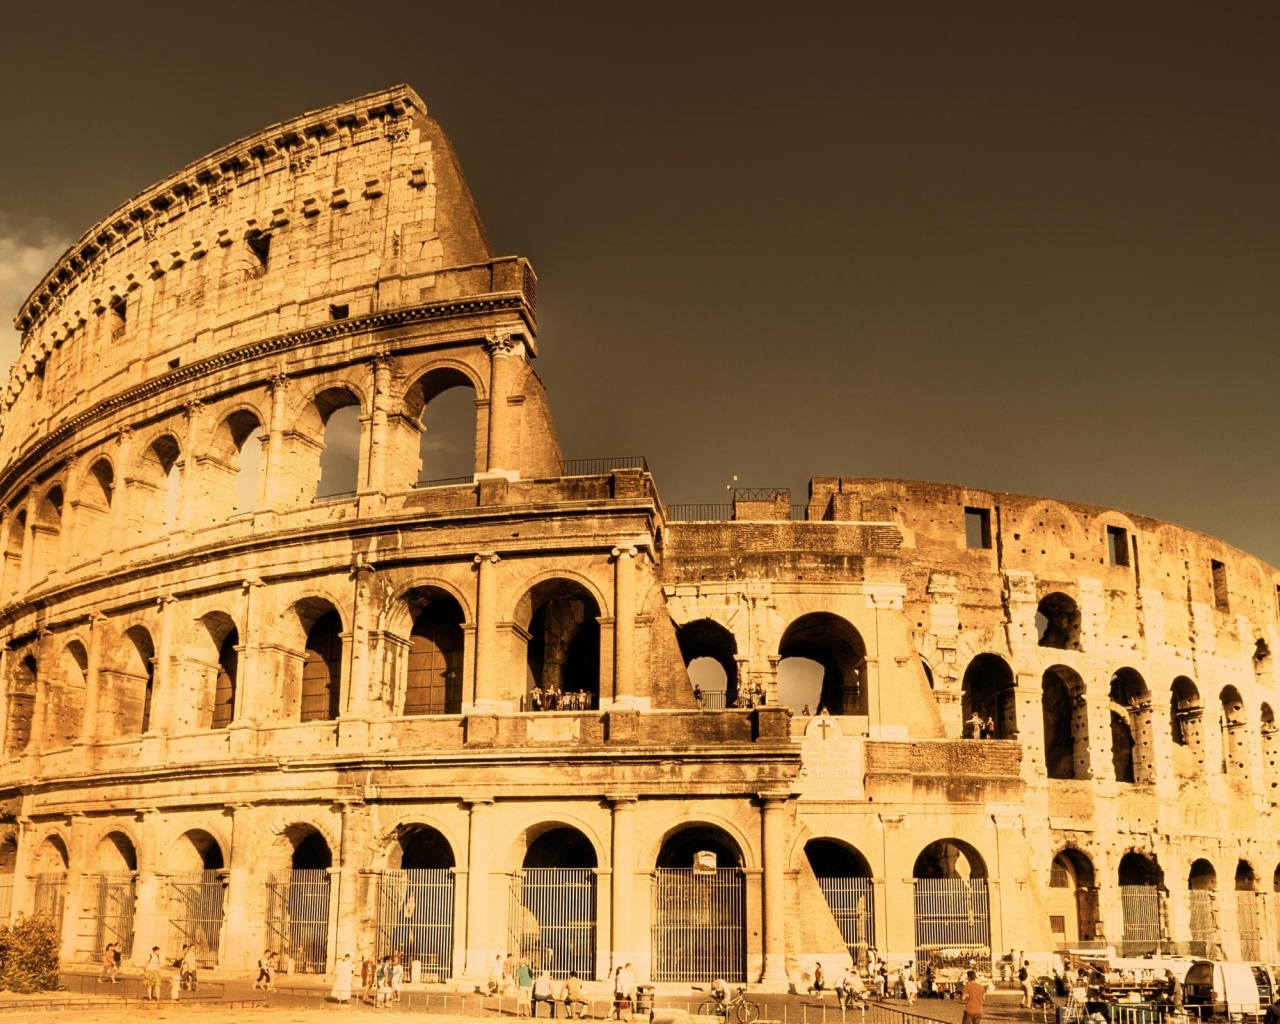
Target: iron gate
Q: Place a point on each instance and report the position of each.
(1141, 906)
(49, 898)
(6, 898)
(953, 923)
(552, 921)
(699, 924)
(298, 919)
(1202, 924)
(415, 918)
(852, 905)
(195, 915)
(1247, 925)
(114, 911)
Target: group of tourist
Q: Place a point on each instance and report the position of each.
(182, 976)
(979, 728)
(381, 980)
(555, 699)
(533, 987)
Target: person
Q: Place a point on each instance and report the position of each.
(1028, 986)
(819, 981)
(264, 974)
(844, 987)
(108, 963)
(720, 990)
(535, 697)
(508, 974)
(975, 726)
(117, 957)
(343, 971)
(697, 695)
(805, 712)
(882, 981)
(397, 977)
(1175, 991)
(573, 996)
(542, 993)
(989, 730)
(190, 964)
(151, 975)
(974, 995)
(910, 987)
(822, 710)
(495, 975)
(524, 988)
(627, 980)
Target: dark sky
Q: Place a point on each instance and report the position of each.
(1022, 246)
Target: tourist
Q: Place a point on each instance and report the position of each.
(1024, 979)
(573, 996)
(109, 968)
(397, 976)
(264, 973)
(976, 722)
(524, 988)
(151, 975)
(189, 965)
(627, 980)
(806, 712)
(974, 995)
(343, 971)
(989, 730)
(697, 695)
(819, 981)
(541, 993)
(910, 987)
(720, 990)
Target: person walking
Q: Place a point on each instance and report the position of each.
(910, 987)
(151, 975)
(109, 969)
(974, 995)
(343, 972)
(819, 981)
(524, 988)
(1024, 979)
(188, 967)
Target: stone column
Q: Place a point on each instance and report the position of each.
(356, 702)
(506, 358)
(93, 659)
(623, 858)
(246, 706)
(80, 884)
(28, 543)
(243, 926)
(773, 832)
(356, 831)
(70, 515)
(6, 569)
(624, 625)
(120, 500)
(376, 478)
(487, 681)
(275, 476)
(479, 926)
(188, 477)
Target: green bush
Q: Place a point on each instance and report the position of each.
(29, 955)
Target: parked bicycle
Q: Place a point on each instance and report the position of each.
(743, 1008)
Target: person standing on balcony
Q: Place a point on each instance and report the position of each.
(976, 722)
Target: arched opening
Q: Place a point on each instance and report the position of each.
(563, 652)
(1132, 754)
(195, 893)
(952, 908)
(339, 412)
(298, 899)
(116, 864)
(13, 551)
(443, 404)
(154, 489)
(22, 705)
(1202, 899)
(64, 717)
(1248, 925)
(1187, 715)
(415, 901)
(1141, 893)
(1235, 735)
(321, 697)
(50, 881)
(1074, 914)
(124, 707)
(844, 877)
(433, 680)
(553, 902)
(1270, 752)
(45, 533)
(1058, 622)
(232, 467)
(215, 659)
(710, 653)
(93, 514)
(1066, 724)
(699, 926)
(8, 867)
(987, 690)
(834, 644)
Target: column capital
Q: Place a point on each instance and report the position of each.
(474, 801)
(774, 799)
(487, 556)
(504, 344)
(623, 801)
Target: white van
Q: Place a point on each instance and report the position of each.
(1227, 988)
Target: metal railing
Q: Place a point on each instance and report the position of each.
(6, 898)
(1247, 925)
(195, 915)
(1141, 912)
(113, 917)
(446, 481)
(700, 513)
(699, 925)
(324, 499)
(415, 918)
(852, 904)
(953, 925)
(600, 466)
(298, 919)
(1202, 927)
(552, 919)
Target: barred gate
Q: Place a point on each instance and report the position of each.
(552, 919)
(114, 912)
(6, 898)
(953, 923)
(415, 918)
(298, 919)
(853, 906)
(699, 924)
(1247, 925)
(49, 898)
(1141, 906)
(195, 915)
(1200, 902)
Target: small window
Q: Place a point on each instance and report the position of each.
(1058, 924)
(977, 527)
(260, 248)
(175, 363)
(1220, 599)
(1117, 545)
(1058, 877)
(119, 316)
(339, 312)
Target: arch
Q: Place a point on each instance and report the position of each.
(13, 551)
(298, 896)
(1248, 911)
(562, 653)
(844, 876)
(1074, 912)
(709, 652)
(216, 649)
(836, 645)
(339, 412)
(988, 689)
(46, 529)
(416, 898)
(560, 846)
(21, 692)
(64, 717)
(1235, 736)
(950, 858)
(1058, 622)
(679, 845)
(1270, 751)
(321, 694)
(233, 466)
(417, 846)
(1142, 902)
(125, 704)
(115, 853)
(92, 533)
(1246, 877)
(1202, 877)
(555, 920)
(1066, 724)
(1132, 753)
(1186, 715)
(952, 905)
(194, 852)
(51, 855)
(1202, 885)
(154, 488)
(433, 668)
(442, 403)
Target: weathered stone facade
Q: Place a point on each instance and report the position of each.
(240, 712)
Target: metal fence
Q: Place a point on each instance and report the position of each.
(415, 918)
(953, 923)
(6, 898)
(699, 925)
(852, 904)
(1141, 907)
(298, 919)
(552, 919)
(1203, 928)
(600, 466)
(49, 897)
(195, 914)
(1247, 925)
(700, 513)
(113, 912)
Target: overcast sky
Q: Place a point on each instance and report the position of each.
(1021, 246)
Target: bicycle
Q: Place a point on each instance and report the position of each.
(744, 1009)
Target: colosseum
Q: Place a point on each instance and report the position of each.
(258, 696)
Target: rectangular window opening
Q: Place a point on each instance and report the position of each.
(175, 363)
(1220, 598)
(260, 246)
(1117, 545)
(119, 317)
(339, 312)
(977, 527)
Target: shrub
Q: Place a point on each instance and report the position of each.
(29, 955)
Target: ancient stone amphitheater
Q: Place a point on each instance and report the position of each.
(259, 696)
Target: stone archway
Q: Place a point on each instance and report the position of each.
(416, 901)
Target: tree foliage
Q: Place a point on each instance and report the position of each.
(29, 955)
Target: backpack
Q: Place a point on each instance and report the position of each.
(1022, 974)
